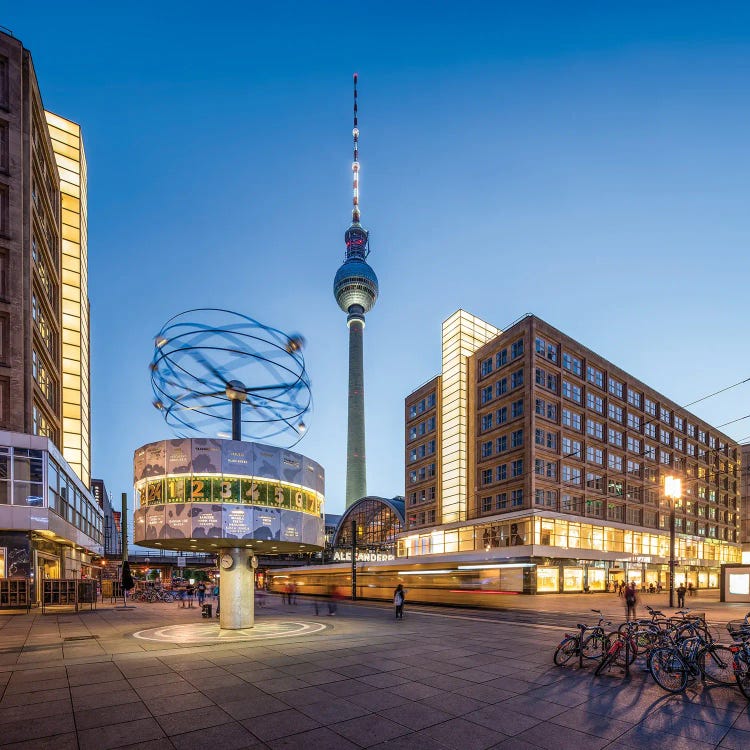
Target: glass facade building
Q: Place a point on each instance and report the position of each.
(51, 525)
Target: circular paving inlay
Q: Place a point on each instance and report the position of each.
(211, 633)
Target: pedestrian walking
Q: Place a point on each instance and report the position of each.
(630, 601)
(399, 596)
(201, 593)
(681, 596)
(190, 591)
(691, 590)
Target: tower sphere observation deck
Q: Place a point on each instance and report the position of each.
(355, 284)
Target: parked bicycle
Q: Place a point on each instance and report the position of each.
(740, 633)
(691, 657)
(591, 642)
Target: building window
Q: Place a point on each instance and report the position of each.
(501, 502)
(665, 415)
(572, 391)
(679, 423)
(679, 443)
(501, 387)
(614, 487)
(690, 430)
(594, 429)
(516, 349)
(516, 408)
(634, 422)
(571, 448)
(649, 430)
(516, 379)
(615, 412)
(634, 445)
(571, 419)
(486, 394)
(596, 403)
(614, 462)
(649, 407)
(594, 455)
(634, 468)
(546, 409)
(501, 358)
(572, 364)
(615, 388)
(649, 451)
(430, 400)
(486, 504)
(487, 449)
(571, 475)
(517, 468)
(595, 376)
(594, 481)
(665, 437)
(486, 476)
(634, 398)
(502, 415)
(614, 437)
(486, 367)
(516, 497)
(546, 349)
(486, 422)
(502, 472)
(516, 438)
(502, 444)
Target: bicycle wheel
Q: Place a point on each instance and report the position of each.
(595, 646)
(645, 640)
(668, 669)
(716, 664)
(610, 660)
(742, 673)
(627, 650)
(567, 650)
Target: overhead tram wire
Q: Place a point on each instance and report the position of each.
(685, 406)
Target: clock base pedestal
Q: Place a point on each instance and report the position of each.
(237, 590)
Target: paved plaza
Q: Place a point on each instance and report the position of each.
(441, 678)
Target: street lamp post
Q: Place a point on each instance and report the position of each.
(673, 492)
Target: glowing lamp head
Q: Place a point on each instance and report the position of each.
(236, 391)
(295, 343)
(673, 487)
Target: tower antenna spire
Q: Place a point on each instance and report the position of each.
(355, 287)
(355, 163)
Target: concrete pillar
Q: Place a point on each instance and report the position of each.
(236, 590)
(356, 470)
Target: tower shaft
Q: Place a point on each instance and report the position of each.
(356, 469)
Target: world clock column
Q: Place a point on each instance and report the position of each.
(237, 588)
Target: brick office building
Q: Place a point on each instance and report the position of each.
(49, 523)
(533, 453)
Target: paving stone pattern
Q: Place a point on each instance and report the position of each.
(439, 679)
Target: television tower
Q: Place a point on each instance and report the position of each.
(356, 290)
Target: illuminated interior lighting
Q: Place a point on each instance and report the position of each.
(497, 565)
(425, 572)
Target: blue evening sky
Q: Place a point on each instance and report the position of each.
(587, 162)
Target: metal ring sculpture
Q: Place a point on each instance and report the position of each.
(205, 359)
